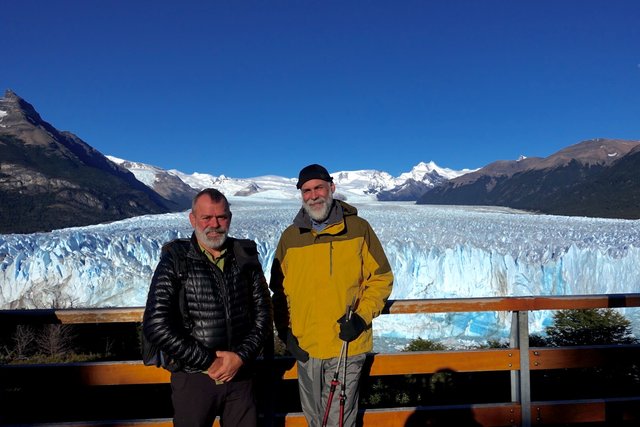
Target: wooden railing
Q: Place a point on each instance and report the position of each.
(519, 360)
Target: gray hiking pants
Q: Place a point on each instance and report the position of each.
(314, 381)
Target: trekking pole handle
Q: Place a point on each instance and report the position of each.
(350, 308)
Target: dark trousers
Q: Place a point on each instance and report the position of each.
(197, 400)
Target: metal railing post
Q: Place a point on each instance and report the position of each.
(521, 380)
(514, 342)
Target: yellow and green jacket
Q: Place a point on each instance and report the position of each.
(316, 275)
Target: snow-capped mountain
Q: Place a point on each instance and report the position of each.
(43, 170)
(362, 185)
(167, 185)
(269, 186)
(423, 171)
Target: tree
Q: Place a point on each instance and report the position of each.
(593, 326)
(56, 340)
(603, 326)
(22, 338)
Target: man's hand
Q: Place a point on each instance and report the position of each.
(294, 347)
(225, 366)
(352, 328)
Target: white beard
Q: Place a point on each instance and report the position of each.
(211, 242)
(318, 214)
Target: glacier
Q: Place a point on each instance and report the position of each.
(434, 251)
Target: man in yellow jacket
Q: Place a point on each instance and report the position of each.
(327, 260)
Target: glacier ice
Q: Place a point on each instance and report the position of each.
(435, 252)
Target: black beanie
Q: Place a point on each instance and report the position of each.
(313, 172)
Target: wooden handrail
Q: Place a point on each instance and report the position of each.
(487, 360)
(612, 411)
(442, 305)
(582, 356)
(526, 303)
(134, 372)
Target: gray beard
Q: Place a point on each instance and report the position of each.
(321, 215)
(210, 243)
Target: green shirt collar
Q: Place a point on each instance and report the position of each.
(219, 262)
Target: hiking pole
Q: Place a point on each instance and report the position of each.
(332, 388)
(335, 381)
(343, 386)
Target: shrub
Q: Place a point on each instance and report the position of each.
(494, 343)
(594, 326)
(421, 344)
(537, 340)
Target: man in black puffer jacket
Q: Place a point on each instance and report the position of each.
(212, 319)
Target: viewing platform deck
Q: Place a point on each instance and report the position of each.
(518, 362)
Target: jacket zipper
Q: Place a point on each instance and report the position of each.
(330, 258)
(225, 302)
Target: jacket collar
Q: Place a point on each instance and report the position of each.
(339, 210)
(195, 250)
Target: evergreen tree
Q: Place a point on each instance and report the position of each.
(593, 326)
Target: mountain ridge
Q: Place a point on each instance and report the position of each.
(357, 185)
(53, 179)
(598, 178)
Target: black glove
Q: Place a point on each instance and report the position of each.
(294, 347)
(351, 329)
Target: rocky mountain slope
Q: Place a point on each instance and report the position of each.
(597, 178)
(52, 179)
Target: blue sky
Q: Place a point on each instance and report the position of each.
(249, 88)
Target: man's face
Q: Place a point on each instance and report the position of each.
(210, 221)
(317, 198)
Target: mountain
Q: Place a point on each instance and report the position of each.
(52, 179)
(617, 189)
(596, 178)
(423, 177)
(359, 185)
(168, 185)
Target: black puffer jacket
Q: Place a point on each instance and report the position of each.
(228, 310)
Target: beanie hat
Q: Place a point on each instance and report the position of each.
(310, 172)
